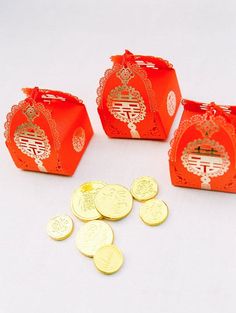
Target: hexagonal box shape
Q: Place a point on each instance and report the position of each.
(138, 97)
(48, 131)
(203, 150)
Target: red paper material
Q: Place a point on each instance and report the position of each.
(48, 131)
(138, 97)
(203, 150)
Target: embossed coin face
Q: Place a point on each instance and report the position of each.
(108, 259)
(114, 202)
(92, 236)
(82, 203)
(60, 227)
(144, 188)
(154, 212)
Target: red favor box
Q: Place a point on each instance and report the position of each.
(48, 131)
(203, 150)
(138, 97)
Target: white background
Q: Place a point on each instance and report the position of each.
(188, 264)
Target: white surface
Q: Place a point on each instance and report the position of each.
(188, 264)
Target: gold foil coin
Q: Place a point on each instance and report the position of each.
(92, 236)
(60, 227)
(144, 188)
(82, 203)
(108, 259)
(114, 202)
(154, 212)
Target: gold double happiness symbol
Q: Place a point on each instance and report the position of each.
(32, 140)
(125, 102)
(206, 157)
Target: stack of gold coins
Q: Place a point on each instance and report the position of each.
(82, 202)
(95, 201)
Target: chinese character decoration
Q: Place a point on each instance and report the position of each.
(206, 157)
(32, 140)
(125, 102)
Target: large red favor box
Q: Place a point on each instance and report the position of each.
(138, 97)
(48, 131)
(203, 150)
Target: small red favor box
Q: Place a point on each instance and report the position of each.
(203, 150)
(48, 131)
(138, 97)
